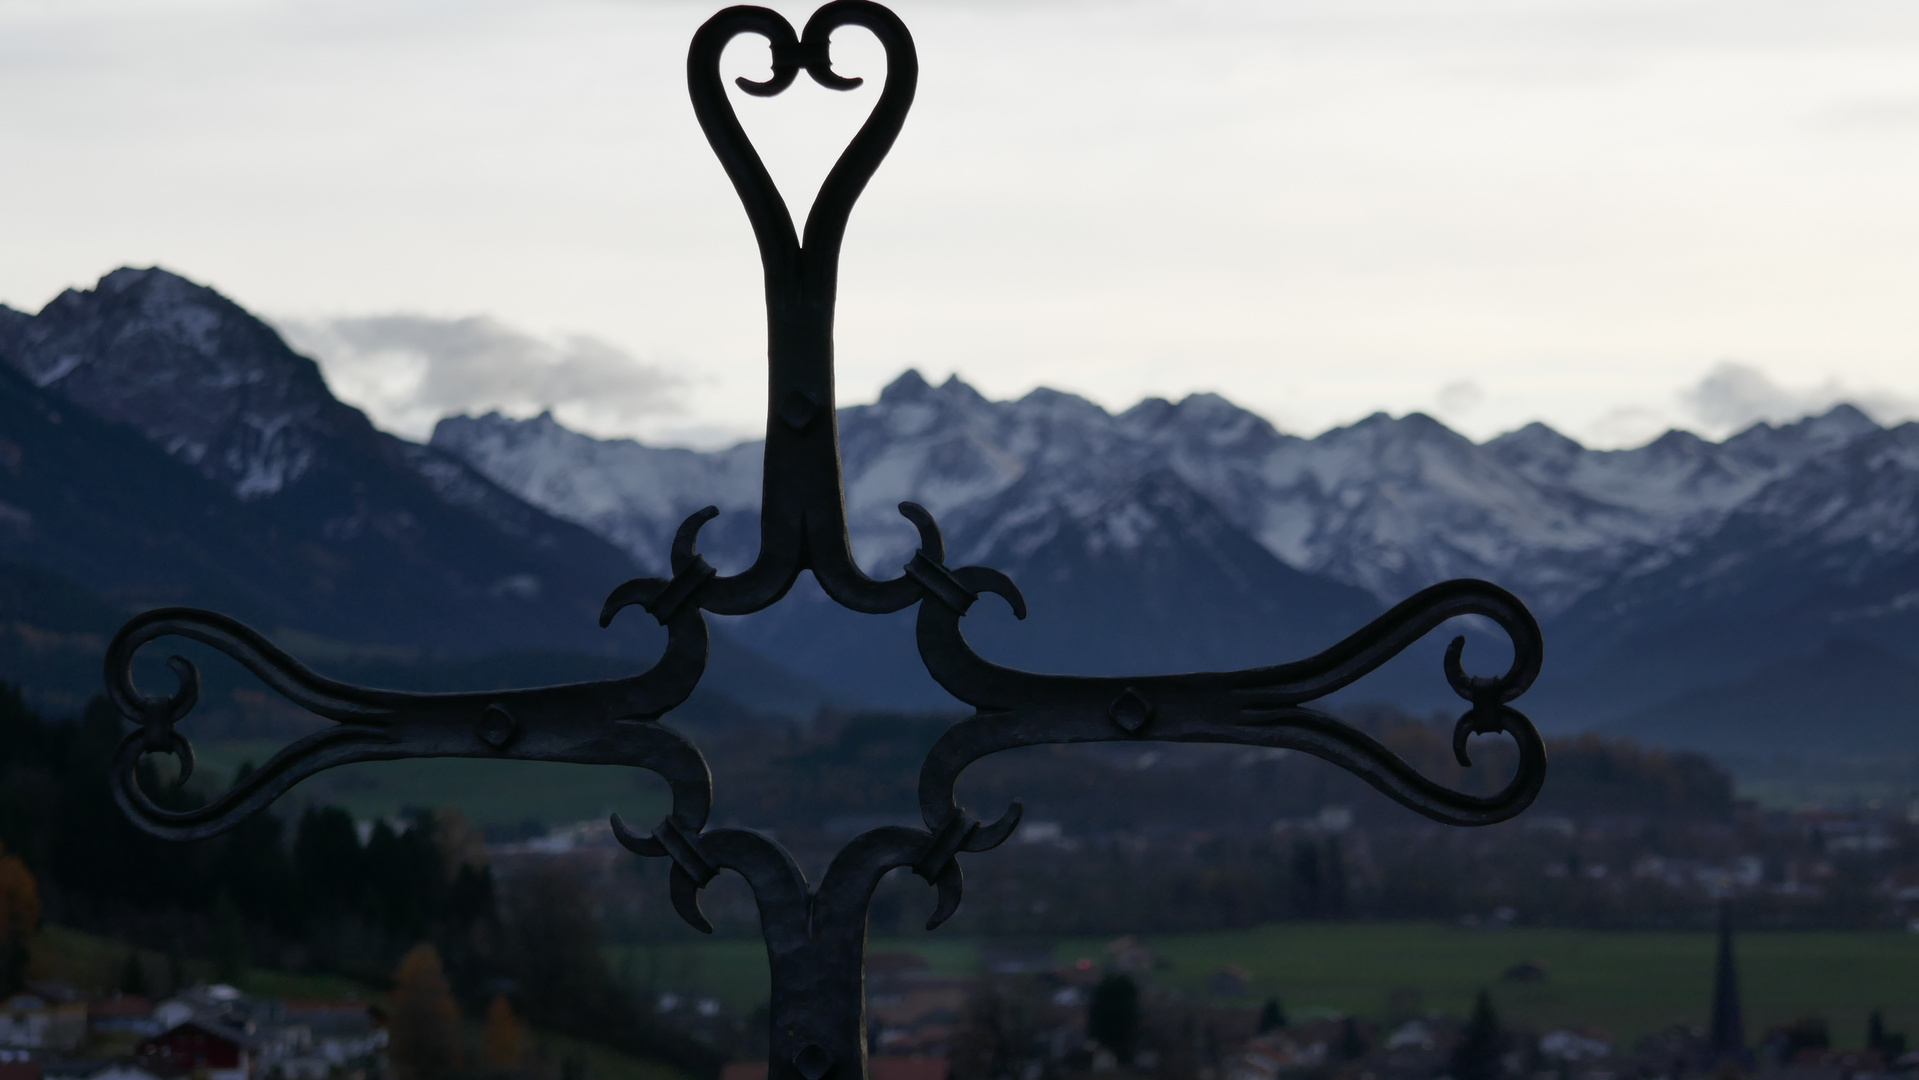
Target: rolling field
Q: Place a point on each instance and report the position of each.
(1625, 983)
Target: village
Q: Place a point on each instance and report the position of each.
(211, 1032)
(1023, 1010)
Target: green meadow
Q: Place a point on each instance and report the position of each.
(500, 793)
(1626, 983)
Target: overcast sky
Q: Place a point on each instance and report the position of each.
(1491, 210)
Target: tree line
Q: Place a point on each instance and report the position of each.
(320, 882)
(321, 892)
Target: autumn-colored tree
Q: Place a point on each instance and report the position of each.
(19, 919)
(505, 1039)
(423, 1028)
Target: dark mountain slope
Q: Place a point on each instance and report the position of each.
(97, 523)
(179, 453)
(97, 503)
(362, 535)
(1848, 698)
(1157, 580)
(1153, 580)
(12, 325)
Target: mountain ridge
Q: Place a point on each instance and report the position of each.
(1171, 535)
(1390, 504)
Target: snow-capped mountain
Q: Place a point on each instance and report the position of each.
(212, 385)
(1828, 551)
(632, 494)
(1389, 505)
(302, 513)
(1126, 565)
(1817, 534)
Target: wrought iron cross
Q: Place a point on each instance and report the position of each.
(816, 934)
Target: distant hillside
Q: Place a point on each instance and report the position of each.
(54, 631)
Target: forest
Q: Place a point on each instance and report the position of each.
(328, 894)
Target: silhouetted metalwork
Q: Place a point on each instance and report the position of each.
(816, 935)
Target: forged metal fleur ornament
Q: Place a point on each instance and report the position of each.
(816, 934)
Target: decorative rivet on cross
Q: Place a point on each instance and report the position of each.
(496, 727)
(1131, 710)
(798, 409)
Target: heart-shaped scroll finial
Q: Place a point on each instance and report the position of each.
(803, 503)
(795, 270)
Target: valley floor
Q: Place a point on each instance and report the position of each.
(1625, 983)
(493, 794)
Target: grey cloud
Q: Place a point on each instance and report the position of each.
(1460, 397)
(1734, 396)
(408, 371)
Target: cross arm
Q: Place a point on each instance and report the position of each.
(610, 722)
(1254, 707)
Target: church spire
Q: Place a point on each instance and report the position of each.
(1728, 1025)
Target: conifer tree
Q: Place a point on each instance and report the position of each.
(1351, 1043)
(1477, 1056)
(228, 941)
(1891, 1045)
(176, 971)
(133, 977)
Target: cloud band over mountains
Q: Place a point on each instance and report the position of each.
(408, 371)
(1734, 396)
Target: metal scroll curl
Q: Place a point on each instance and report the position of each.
(609, 722)
(841, 896)
(815, 935)
(1257, 706)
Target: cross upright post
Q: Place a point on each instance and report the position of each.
(816, 934)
